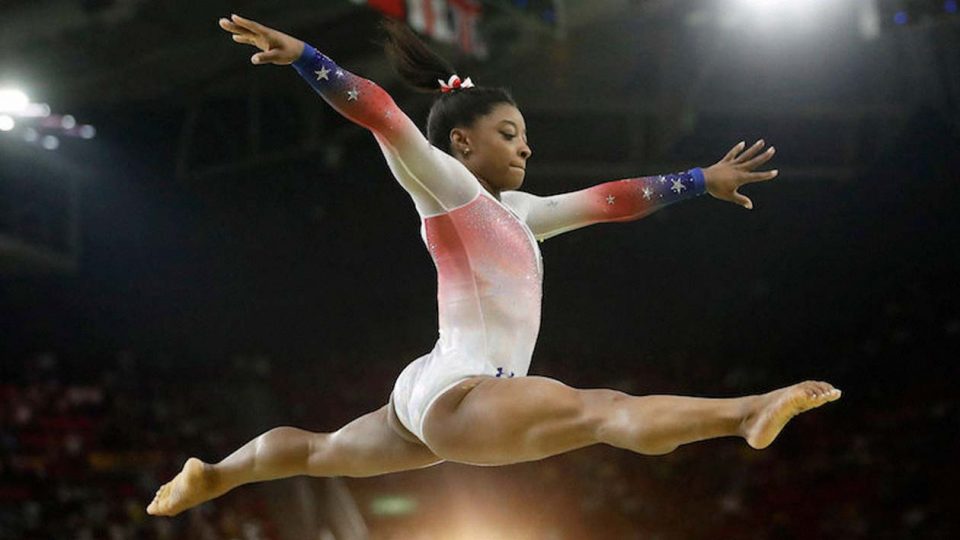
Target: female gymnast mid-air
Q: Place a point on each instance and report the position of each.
(469, 399)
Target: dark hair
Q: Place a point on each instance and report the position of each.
(420, 67)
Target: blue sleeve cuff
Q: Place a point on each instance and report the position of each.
(306, 57)
(699, 181)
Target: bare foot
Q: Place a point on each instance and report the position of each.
(773, 410)
(195, 484)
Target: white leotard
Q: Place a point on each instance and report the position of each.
(489, 267)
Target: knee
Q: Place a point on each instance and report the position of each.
(334, 454)
(326, 456)
(600, 404)
(341, 454)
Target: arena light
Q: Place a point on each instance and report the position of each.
(13, 100)
(779, 15)
(35, 110)
(34, 122)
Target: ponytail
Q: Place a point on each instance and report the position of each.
(422, 69)
(416, 64)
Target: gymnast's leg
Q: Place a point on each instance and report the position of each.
(368, 446)
(496, 421)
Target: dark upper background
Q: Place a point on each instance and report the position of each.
(225, 209)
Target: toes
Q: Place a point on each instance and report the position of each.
(820, 391)
(827, 391)
(817, 389)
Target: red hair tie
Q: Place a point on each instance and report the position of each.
(454, 84)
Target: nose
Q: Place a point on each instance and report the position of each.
(525, 151)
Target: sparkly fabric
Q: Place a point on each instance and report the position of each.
(489, 278)
(617, 201)
(489, 283)
(435, 180)
(489, 267)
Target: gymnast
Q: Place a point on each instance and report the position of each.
(469, 400)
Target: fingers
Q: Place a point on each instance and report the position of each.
(242, 35)
(266, 57)
(742, 201)
(761, 176)
(759, 160)
(247, 39)
(249, 25)
(733, 152)
(752, 151)
(231, 27)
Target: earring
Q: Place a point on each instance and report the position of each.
(466, 152)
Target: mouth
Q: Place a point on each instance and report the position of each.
(518, 167)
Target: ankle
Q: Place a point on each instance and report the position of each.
(748, 408)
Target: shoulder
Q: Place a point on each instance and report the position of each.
(520, 202)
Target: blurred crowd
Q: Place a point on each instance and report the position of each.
(85, 442)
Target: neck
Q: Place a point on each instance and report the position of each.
(486, 185)
(490, 189)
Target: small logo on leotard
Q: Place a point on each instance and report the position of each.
(501, 373)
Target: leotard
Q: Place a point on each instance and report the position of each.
(489, 267)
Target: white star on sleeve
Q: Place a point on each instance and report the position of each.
(323, 73)
(662, 179)
(352, 94)
(646, 193)
(339, 73)
(611, 199)
(678, 186)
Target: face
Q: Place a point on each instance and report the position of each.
(495, 148)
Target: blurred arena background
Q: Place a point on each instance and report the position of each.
(194, 250)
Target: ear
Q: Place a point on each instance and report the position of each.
(459, 138)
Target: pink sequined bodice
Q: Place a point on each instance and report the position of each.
(490, 277)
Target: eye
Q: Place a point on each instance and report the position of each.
(508, 136)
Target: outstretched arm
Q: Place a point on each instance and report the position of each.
(436, 181)
(633, 198)
(619, 200)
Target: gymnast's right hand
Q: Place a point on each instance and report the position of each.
(275, 46)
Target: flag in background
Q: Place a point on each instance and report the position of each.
(446, 21)
(392, 8)
(432, 18)
(466, 15)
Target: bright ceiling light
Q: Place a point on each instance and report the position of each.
(779, 16)
(12, 100)
(6, 123)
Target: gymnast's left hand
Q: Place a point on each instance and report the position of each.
(736, 169)
(275, 46)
